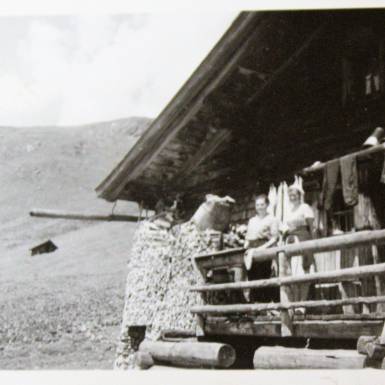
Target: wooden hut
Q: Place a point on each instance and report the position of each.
(42, 248)
(278, 92)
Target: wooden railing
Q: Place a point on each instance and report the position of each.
(285, 281)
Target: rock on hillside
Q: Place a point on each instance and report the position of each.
(58, 168)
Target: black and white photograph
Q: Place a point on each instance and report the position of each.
(193, 190)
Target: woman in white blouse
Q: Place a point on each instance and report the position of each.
(298, 227)
(262, 232)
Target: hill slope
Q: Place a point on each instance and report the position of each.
(62, 309)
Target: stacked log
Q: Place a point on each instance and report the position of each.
(145, 285)
(159, 273)
(173, 312)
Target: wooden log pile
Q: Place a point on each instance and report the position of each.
(159, 273)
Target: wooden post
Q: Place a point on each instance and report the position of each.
(200, 326)
(286, 295)
(377, 281)
(343, 288)
(382, 336)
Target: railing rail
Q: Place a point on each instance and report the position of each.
(347, 274)
(286, 280)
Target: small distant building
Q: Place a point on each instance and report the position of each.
(45, 247)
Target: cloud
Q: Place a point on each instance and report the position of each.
(78, 69)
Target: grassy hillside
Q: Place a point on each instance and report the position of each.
(62, 309)
(57, 167)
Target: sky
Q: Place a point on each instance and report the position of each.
(69, 70)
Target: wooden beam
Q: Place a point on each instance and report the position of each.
(358, 154)
(303, 329)
(258, 307)
(286, 296)
(348, 274)
(234, 257)
(205, 151)
(337, 242)
(306, 317)
(43, 213)
(279, 357)
(288, 63)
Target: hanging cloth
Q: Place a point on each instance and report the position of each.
(349, 179)
(272, 199)
(330, 178)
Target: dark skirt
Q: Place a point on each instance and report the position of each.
(262, 270)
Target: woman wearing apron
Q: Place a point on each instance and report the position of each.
(262, 232)
(298, 227)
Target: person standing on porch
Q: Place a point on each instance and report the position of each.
(262, 232)
(298, 227)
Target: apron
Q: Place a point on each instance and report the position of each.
(261, 270)
(300, 264)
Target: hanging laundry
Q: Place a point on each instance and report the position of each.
(349, 179)
(272, 199)
(331, 173)
(365, 216)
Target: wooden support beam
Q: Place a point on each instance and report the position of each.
(190, 354)
(306, 317)
(279, 357)
(200, 324)
(258, 307)
(377, 281)
(358, 154)
(293, 59)
(348, 274)
(286, 296)
(382, 336)
(340, 329)
(42, 213)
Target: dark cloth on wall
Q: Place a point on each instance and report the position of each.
(349, 179)
(331, 173)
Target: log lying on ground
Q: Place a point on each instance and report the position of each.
(80, 216)
(277, 357)
(143, 360)
(190, 354)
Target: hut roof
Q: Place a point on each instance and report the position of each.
(266, 91)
